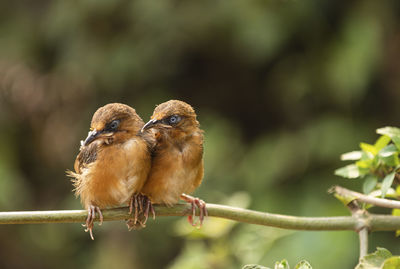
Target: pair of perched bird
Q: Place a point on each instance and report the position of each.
(124, 161)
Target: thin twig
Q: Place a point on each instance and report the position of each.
(363, 235)
(365, 198)
(364, 225)
(375, 222)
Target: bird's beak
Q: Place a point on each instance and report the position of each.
(149, 124)
(91, 136)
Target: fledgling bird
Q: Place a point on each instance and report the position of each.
(113, 162)
(177, 164)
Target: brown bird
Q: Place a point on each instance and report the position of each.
(113, 162)
(177, 165)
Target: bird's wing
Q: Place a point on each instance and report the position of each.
(87, 155)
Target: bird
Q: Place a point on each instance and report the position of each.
(113, 162)
(177, 160)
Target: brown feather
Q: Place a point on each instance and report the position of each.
(114, 166)
(177, 165)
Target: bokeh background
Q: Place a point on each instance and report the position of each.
(281, 88)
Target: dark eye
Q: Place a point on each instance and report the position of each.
(174, 119)
(114, 124)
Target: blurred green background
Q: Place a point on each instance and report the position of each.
(281, 88)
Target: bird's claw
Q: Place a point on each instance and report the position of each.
(200, 204)
(148, 206)
(142, 205)
(90, 219)
(134, 204)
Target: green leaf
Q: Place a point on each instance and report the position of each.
(344, 199)
(374, 260)
(392, 132)
(351, 156)
(392, 263)
(254, 266)
(382, 142)
(369, 184)
(349, 171)
(391, 193)
(389, 131)
(303, 265)
(365, 163)
(368, 148)
(389, 155)
(282, 265)
(391, 160)
(388, 151)
(396, 141)
(386, 183)
(396, 212)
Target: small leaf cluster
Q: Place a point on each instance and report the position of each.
(376, 163)
(380, 259)
(280, 265)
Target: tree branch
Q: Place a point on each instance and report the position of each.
(363, 216)
(365, 198)
(363, 235)
(372, 222)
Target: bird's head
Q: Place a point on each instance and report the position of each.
(113, 123)
(175, 118)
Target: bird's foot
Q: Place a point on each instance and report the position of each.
(90, 219)
(142, 205)
(200, 204)
(134, 204)
(148, 206)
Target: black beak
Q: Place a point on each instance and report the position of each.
(91, 136)
(149, 124)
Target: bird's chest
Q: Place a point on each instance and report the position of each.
(175, 173)
(115, 176)
(175, 161)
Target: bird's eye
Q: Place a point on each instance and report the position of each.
(174, 119)
(114, 124)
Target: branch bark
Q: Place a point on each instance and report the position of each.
(365, 198)
(363, 216)
(363, 235)
(372, 222)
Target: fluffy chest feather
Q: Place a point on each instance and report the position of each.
(177, 169)
(117, 173)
